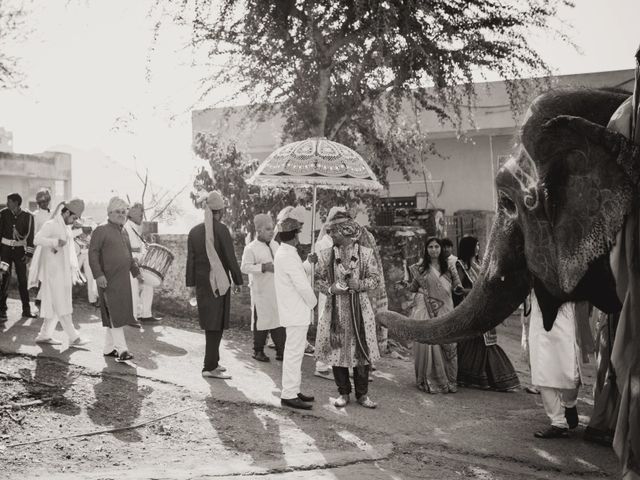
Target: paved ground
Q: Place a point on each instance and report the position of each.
(225, 429)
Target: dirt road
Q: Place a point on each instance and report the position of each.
(173, 424)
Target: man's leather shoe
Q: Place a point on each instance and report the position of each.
(552, 432)
(261, 357)
(29, 315)
(571, 415)
(306, 398)
(295, 403)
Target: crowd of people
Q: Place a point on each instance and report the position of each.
(345, 270)
(52, 251)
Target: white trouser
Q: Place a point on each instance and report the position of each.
(49, 326)
(555, 400)
(292, 361)
(114, 340)
(92, 287)
(142, 294)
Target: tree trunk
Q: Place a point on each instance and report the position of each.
(320, 105)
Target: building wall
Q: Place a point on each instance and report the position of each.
(26, 174)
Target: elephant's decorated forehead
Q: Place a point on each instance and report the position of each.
(522, 167)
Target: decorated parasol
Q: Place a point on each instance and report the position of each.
(317, 163)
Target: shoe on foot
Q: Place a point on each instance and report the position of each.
(112, 353)
(79, 342)
(148, 319)
(571, 415)
(124, 356)
(216, 374)
(135, 324)
(48, 341)
(295, 403)
(532, 390)
(221, 368)
(309, 349)
(306, 398)
(366, 402)
(261, 357)
(552, 432)
(341, 401)
(28, 314)
(326, 374)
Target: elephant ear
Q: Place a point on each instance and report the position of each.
(590, 178)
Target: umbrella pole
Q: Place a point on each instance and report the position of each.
(313, 234)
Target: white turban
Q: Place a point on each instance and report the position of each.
(116, 203)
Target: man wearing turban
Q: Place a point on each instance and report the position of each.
(111, 262)
(210, 261)
(257, 263)
(54, 267)
(346, 336)
(43, 212)
(142, 292)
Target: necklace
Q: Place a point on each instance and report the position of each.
(353, 261)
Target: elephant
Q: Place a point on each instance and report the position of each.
(563, 199)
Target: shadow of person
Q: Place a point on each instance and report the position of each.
(243, 430)
(146, 344)
(52, 377)
(117, 403)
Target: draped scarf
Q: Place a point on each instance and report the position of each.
(357, 321)
(218, 277)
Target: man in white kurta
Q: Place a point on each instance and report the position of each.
(55, 266)
(296, 300)
(257, 263)
(555, 368)
(142, 292)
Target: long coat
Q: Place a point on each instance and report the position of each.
(264, 306)
(213, 312)
(54, 267)
(110, 256)
(364, 269)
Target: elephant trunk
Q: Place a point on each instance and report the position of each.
(501, 287)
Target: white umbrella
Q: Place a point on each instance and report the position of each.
(317, 163)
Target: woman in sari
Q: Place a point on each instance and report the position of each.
(481, 361)
(436, 365)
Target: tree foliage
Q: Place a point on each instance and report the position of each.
(12, 28)
(362, 72)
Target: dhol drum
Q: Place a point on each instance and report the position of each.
(155, 264)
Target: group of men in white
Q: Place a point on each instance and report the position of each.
(61, 259)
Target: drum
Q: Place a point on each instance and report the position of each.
(155, 264)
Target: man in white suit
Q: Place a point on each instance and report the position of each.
(296, 300)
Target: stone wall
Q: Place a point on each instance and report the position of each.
(399, 248)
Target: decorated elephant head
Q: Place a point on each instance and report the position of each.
(562, 198)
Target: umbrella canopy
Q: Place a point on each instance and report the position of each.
(315, 162)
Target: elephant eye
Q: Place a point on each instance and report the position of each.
(507, 205)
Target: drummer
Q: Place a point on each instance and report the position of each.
(142, 292)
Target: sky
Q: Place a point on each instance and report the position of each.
(94, 84)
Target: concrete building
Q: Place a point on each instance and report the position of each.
(463, 179)
(27, 173)
(459, 184)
